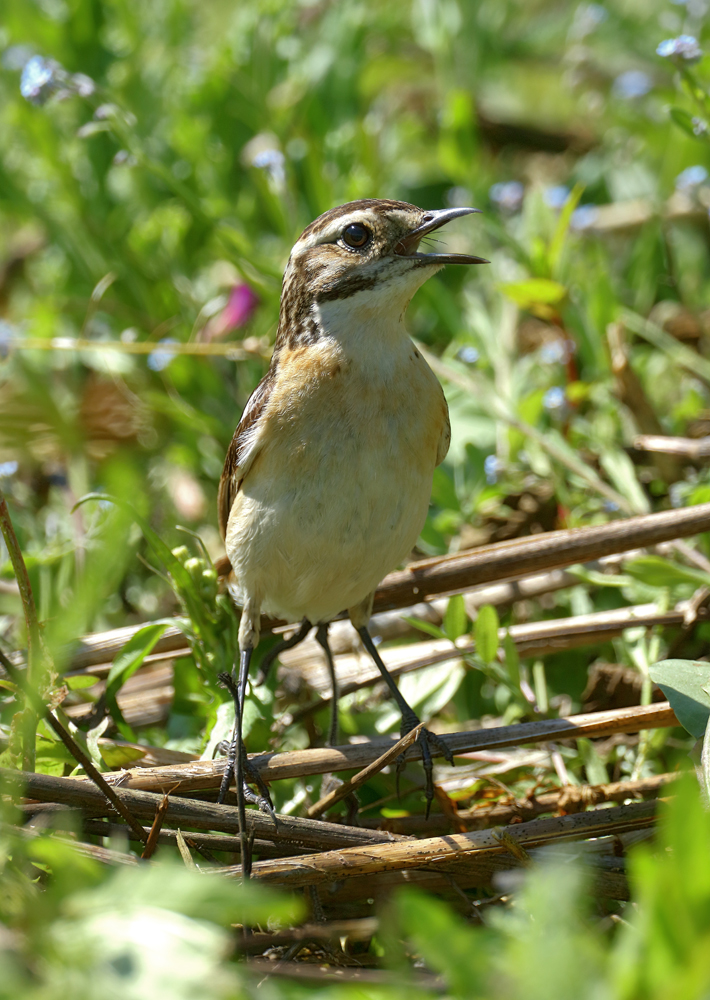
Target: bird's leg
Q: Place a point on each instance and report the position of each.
(240, 775)
(279, 648)
(426, 739)
(330, 781)
(237, 758)
(322, 640)
(263, 800)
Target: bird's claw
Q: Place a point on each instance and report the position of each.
(251, 777)
(427, 741)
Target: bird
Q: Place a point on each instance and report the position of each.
(327, 480)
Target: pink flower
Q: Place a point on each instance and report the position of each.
(243, 300)
(239, 309)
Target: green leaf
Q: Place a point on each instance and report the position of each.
(655, 571)
(116, 755)
(593, 764)
(683, 682)
(560, 235)
(455, 619)
(447, 945)
(92, 742)
(79, 681)
(486, 633)
(512, 661)
(534, 291)
(427, 627)
(620, 469)
(132, 655)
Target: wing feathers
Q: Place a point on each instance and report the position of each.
(242, 449)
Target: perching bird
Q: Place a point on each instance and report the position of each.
(327, 481)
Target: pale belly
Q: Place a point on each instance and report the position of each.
(336, 497)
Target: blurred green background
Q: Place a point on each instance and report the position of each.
(164, 158)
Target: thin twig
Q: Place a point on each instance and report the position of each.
(34, 661)
(692, 448)
(349, 786)
(152, 841)
(74, 749)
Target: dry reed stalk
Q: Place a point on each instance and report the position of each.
(434, 852)
(459, 572)
(189, 813)
(300, 763)
(569, 799)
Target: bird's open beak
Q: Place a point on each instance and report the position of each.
(407, 246)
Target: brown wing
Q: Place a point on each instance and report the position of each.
(445, 439)
(242, 450)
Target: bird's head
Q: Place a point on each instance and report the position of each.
(369, 246)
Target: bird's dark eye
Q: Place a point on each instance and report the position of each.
(355, 235)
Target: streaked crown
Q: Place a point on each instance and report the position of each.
(364, 246)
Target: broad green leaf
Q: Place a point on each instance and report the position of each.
(132, 655)
(455, 620)
(116, 755)
(655, 571)
(79, 681)
(534, 291)
(447, 945)
(486, 633)
(684, 682)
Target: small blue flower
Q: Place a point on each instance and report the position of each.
(39, 80)
(610, 506)
(684, 48)
(508, 196)
(632, 83)
(158, 360)
(491, 467)
(7, 335)
(554, 398)
(584, 217)
(273, 162)
(691, 177)
(469, 355)
(555, 352)
(556, 196)
(8, 469)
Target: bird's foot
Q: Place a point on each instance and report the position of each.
(251, 777)
(428, 742)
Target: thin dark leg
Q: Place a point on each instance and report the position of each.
(427, 741)
(322, 639)
(240, 775)
(279, 648)
(237, 761)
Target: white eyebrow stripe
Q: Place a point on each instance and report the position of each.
(332, 233)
